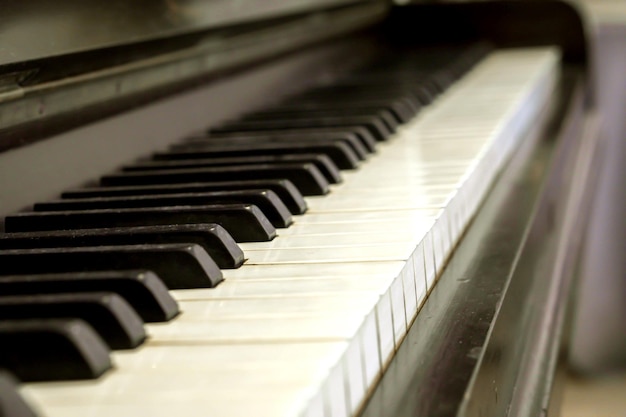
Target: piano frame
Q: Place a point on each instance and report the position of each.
(498, 319)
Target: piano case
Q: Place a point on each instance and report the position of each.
(78, 79)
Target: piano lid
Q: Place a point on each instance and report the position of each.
(38, 29)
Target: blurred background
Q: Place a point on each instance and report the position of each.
(597, 382)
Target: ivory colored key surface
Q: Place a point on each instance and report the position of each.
(309, 322)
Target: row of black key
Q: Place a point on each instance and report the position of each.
(81, 274)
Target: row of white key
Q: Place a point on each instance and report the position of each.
(306, 326)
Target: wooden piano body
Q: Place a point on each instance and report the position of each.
(79, 99)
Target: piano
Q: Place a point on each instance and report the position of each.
(307, 208)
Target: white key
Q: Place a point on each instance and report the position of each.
(412, 216)
(340, 239)
(218, 375)
(376, 253)
(213, 308)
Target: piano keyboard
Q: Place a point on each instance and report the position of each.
(307, 325)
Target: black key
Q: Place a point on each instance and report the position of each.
(244, 222)
(401, 78)
(178, 265)
(284, 112)
(11, 402)
(353, 93)
(143, 290)
(266, 200)
(52, 349)
(108, 313)
(421, 92)
(306, 177)
(285, 189)
(441, 81)
(373, 125)
(211, 237)
(360, 139)
(321, 161)
(402, 110)
(341, 153)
